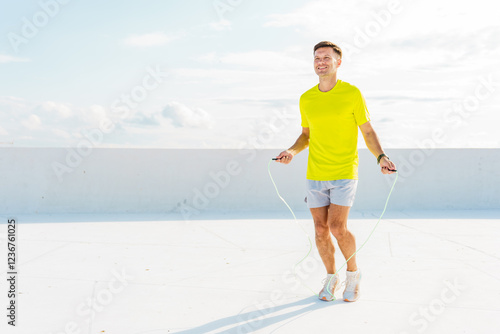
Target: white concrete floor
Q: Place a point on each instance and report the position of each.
(423, 272)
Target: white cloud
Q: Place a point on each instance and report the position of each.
(12, 104)
(60, 109)
(268, 60)
(33, 122)
(11, 59)
(325, 17)
(151, 39)
(183, 116)
(450, 28)
(97, 113)
(55, 123)
(221, 25)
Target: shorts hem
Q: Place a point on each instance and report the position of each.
(338, 192)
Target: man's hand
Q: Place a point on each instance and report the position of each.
(387, 166)
(285, 157)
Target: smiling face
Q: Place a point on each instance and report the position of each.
(326, 62)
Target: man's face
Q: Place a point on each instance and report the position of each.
(326, 62)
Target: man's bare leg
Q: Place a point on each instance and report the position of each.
(324, 241)
(337, 221)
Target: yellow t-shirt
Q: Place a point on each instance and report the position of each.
(333, 118)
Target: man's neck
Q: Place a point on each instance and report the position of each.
(327, 83)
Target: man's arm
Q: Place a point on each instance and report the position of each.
(373, 144)
(301, 144)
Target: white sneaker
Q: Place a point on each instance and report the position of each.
(328, 291)
(351, 292)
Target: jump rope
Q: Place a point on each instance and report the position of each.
(310, 242)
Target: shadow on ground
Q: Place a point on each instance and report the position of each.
(248, 321)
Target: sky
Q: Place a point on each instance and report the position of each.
(229, 73)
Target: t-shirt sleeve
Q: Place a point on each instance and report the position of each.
(361, 113)
(304, 122)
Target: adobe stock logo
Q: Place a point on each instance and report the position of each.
(30, 28)
(373, 28)
(421, 320)
(455, 116)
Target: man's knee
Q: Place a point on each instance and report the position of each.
(321, 229)
(338, 231)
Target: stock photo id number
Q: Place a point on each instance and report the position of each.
(11, 272)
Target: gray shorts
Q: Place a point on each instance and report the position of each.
(322, 193)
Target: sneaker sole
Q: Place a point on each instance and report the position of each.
(327, 300)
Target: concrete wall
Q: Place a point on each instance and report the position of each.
(60, 180)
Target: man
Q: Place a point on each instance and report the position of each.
(331, 113)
